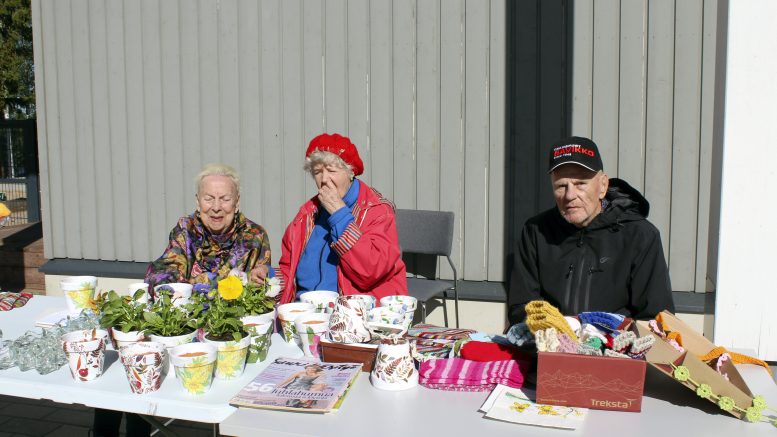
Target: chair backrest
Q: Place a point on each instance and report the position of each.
(425, 232)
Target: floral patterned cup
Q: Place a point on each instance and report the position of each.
(386, 316)
(194, 364)
(85, 353)
(348, 323)
(260, 328)
(399, 303)
(230, 357)
(322, 300)
(78, 291)
(394, 366)
(182, 292)
(310, 328)
(287, 313)
(368, 301)
(143, 365)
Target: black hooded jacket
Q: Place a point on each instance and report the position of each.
(615, 264)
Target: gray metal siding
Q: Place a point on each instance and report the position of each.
(135, 96)
(643, 89)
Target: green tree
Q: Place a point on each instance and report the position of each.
(17, 73)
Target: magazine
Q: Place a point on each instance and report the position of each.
(515, 405)
(299, 384)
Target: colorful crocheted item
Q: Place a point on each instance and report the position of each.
(436, 341)
(519, 335)
(585, 349)
(612, 353)
(606, 321)
(594, 342)
(465, 375)
(547, 340)
(590, 331)
(542, 315)
(622, 343)
(641, 346)
(566, 344)
(10, 300)
(485, 351)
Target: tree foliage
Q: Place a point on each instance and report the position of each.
(17, 74)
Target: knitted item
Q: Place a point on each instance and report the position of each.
(607, 321)
(519, 334)
(567, 345)
(10, 300)
(542, 315)
(640, 346)
(590, 331)
(594, 342)
(623, 342)
(585, 349)
(574, 324)
(436, 341)
(465, 375)
(612, 353)
(735, 357)
(547, 340)
(484, 351)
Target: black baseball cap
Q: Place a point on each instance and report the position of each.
(575, 150)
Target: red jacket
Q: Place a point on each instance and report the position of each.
(370, 258)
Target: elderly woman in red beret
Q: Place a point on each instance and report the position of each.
(344, 238)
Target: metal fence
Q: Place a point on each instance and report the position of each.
(19, 186)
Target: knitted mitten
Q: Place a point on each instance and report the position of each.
(547, 340)
(641, 346)
(519, 334)
(585, 349)
(623, 342)
(566, 344)
(607, 321)
(542, 315)
(612, 353)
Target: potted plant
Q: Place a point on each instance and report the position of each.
(122, 316)
(222, 308)
(169, 324)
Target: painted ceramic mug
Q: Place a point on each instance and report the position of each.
(394, 366)
(287, 313)
(143, 365)
(310, 328)
(78, 291)
(260, 328)
(85, 353)
(322, 300)
(386, 316)
(368, 301)
(194, 364)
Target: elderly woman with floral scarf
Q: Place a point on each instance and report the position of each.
(217, 238)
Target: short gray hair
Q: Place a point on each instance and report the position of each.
(217, 169)
(326, 158)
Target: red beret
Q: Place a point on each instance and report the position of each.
(340, 146)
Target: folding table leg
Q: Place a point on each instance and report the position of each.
(161, 427)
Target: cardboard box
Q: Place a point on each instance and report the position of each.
(349, 353)
(600, 383)
(662, 356)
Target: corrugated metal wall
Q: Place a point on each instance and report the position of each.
(135, 96)
(643, 88)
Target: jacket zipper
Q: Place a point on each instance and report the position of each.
(580, 272)
(568, 291)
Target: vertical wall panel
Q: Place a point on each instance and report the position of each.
(428, 106)
(495, 250)
(209, 83)
(631, 115)
(335, 66)
(606, 82)
(229, 83)
(404, 28)
(191, 125)
(313, 76)
(658, 132)
(582, 65)
(358, 77)
(452, 19)
(381, 160)
(685, 151)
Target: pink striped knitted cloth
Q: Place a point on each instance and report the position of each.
(458, 374)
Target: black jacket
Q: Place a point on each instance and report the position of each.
(615, 264)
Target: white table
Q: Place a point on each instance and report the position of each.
(111, 390)
(667, 410)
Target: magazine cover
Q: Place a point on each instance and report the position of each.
(298, 384)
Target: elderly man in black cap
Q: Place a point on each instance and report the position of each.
(594, 251)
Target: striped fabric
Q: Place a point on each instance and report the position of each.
(457, 374)
(10, 300)
(350, 236)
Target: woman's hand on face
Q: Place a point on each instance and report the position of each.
(258, 273)
(329, 198)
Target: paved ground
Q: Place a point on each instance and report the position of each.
(27, 417)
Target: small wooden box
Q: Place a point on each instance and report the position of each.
(349, 353)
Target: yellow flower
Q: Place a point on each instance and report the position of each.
(230, 288)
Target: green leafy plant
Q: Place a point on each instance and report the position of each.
(121, 312)
(167, 320)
